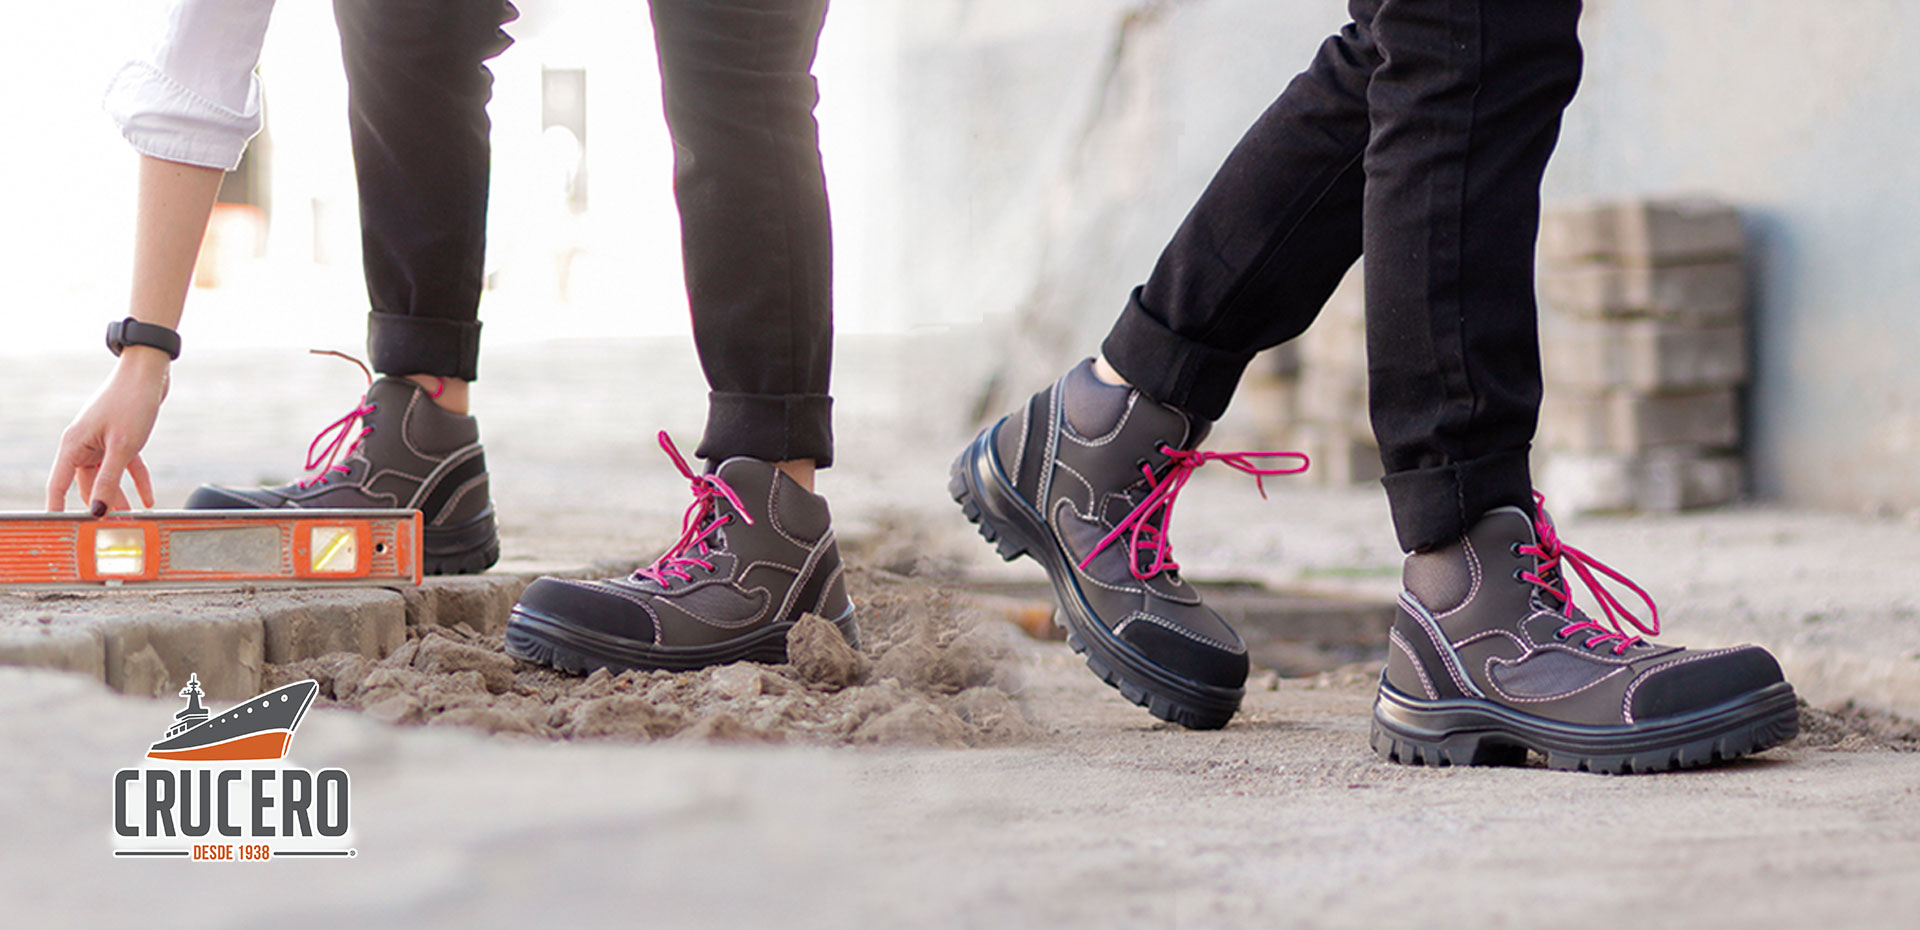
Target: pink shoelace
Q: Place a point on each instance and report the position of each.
(1143, 535)
(696, 526)
(1552, 553)
(322, 463)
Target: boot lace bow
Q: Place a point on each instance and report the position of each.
(697, 526)
(321, 462)
(1552, 554)
(1147, 525)
(335, 434)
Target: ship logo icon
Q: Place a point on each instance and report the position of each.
(259, 729)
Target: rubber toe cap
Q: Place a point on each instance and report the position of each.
(1692, 685)
(1185, 656)
(588, 606)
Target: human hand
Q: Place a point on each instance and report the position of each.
(105, 440)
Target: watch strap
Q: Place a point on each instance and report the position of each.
(132, 332)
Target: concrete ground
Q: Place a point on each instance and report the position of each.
(1108, 819)
(1282, 819)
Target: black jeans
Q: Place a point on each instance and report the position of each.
(1418, 135)
(417, 92)
(739, 93)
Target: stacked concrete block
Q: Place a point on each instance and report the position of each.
(1644, 349)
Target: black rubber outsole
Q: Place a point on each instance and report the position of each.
(979, 485)
(466, 549)
(467, 563)
(544, 639)
(1471, 731)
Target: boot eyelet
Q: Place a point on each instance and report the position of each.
(1519, 573)
(1515, 549)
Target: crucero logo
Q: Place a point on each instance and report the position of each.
(216, 788)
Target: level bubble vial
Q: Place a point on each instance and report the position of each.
(119, 551)
(335, 549)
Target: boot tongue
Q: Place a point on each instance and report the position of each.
(1094, 408)
(756, 484)
(1497, 532)
(1554, 576)
(389, 395)
(749, 478)
(1124, 500)
(383, 405)
(1118, 506)
(741, 476)
(1533, 537)
(392, 387)
(1197, 433)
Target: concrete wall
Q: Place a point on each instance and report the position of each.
(1803, 115)
(1048, 149)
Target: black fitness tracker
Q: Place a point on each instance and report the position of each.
(132, 332)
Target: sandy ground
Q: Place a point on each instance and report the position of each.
(488, 794)
(1101, 817)
(952, 773)
(934, 666)
(929, 672)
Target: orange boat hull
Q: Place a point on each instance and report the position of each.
(254, 747)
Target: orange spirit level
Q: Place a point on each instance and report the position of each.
(210, 547)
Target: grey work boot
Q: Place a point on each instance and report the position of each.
(1489, 659)
(409, 454)
(1083, 479)
(757, 551)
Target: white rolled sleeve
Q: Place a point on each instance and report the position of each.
(195, 99)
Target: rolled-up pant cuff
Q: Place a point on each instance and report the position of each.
(1171, 368)
(399, 344)
(1435, 506)
(770, 427)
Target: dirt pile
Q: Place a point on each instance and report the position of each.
(1850, 728)
(931, 671)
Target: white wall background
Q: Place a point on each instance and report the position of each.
(70, 194)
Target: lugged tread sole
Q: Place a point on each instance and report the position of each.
(1475, 732)
(466, 549)
(468, 563)
(544, 639)
(1209, 708)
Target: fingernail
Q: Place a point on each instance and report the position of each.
(99, 508)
